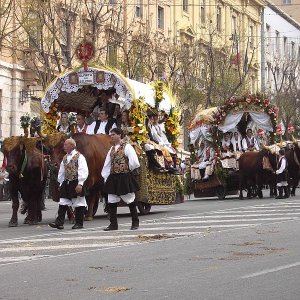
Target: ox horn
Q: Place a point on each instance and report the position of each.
(265, 147)
(293, 139)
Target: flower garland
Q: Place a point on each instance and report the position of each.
(172, 127)
(255, 102)
(50, 119)
(25, 121)
(137, 118)
(158, 86)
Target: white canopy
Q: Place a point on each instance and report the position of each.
(260, 119)
(148, 92)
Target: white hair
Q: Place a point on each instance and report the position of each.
(72, 141)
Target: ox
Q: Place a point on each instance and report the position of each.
(251, 169)
(293, 160)
(94, 148)
(27, 176)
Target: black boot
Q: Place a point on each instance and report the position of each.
(152, 162)
(112, 210)
(286, 192)
(280, 191)
(79, 214)
(60, 220)
(134, 216)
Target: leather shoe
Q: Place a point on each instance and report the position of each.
(54, 225)
(77, 226)
(110, 227)
(135, 226)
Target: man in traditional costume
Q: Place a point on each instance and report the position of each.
(195, 171)
(262, 139)
(103, 125)
(81, 124)
(281, 173)
(208, 161)
(120, 184)
(249, 142)
(72, 174)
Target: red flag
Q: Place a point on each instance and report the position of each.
(236, 59)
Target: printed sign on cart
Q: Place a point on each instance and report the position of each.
(86, 78)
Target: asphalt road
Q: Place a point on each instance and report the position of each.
(201, 249)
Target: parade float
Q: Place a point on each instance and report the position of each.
(210, 125)
(77, 91)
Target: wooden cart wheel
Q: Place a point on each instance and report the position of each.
(144, 208)
(221, 192)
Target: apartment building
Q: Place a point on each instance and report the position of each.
(133, 35)
(281, 50)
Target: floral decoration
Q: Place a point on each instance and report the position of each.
(137, 117)
(251, 102)
(25, 120)
(158, 86)
(172, 127)
(72, 118)
(50, 119)
(291, 128)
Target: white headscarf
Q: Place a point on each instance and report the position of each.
(234, 141)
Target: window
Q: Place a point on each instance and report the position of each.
(160, 71)
(292, 50)
(219, 18)
(233, 24)
(112, 55)
(268, 34)
(65, 41)
(34, 31)
(286, 2)
(185, 5)
(160, 17)
(277, 42)
(139, 9)
(251, 36)
(202, 11)
(285, 48)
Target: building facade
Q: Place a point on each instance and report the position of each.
(138, 37)
(281, 50)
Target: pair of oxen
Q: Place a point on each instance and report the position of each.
(28, 161)
(252, 172)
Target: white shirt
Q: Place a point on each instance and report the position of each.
(101, 129)
(282, 165)
(83, 129)
(133, 161)
(245, 146)
(83, 171)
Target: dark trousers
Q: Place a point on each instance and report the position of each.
(79, 215)
(60, 220)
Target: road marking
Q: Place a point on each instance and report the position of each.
(267, 271)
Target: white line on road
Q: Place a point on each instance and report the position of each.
(267, 271)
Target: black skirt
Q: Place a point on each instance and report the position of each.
(121, 184)
(67, 190)
(282, 177)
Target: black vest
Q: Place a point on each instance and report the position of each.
(108, 126)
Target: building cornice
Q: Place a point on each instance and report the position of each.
(11, 66)
(284, 15)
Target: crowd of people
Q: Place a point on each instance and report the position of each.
(232, 145)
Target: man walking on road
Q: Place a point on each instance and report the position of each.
(282, 176)
(72, 174)
(120, 183)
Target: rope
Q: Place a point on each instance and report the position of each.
(24, 163)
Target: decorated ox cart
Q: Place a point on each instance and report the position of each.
(78, 91)
(223, 129)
